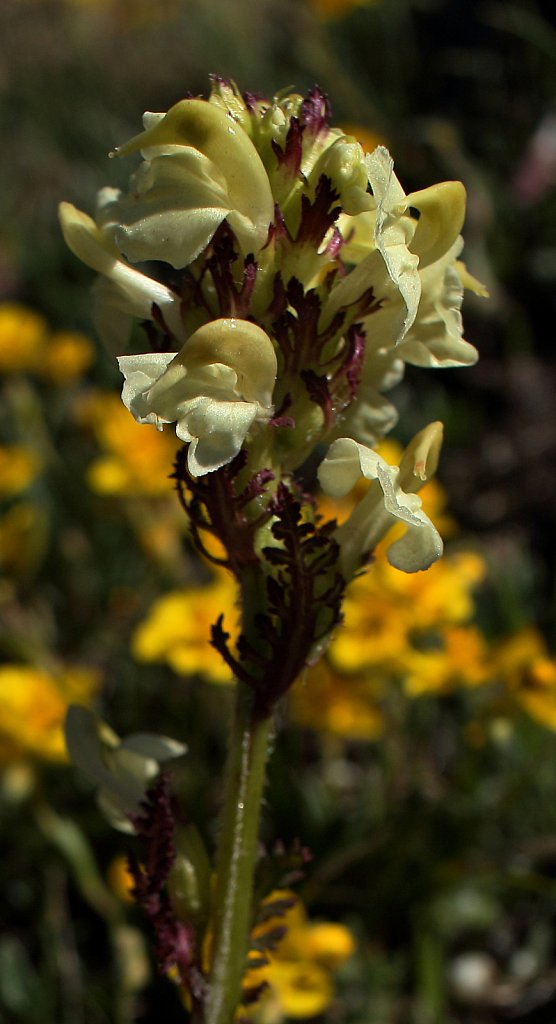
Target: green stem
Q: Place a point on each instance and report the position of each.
(236, 857)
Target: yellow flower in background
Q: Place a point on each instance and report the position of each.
(298, 971)
(369, 140)
(340, 705)
(67, 356)
(22, 338)
(461, 660)
(384, 609)
(177, 630)
(529, 673)
(135, 461)
(18, 468)
(33, 704)
(28, 346)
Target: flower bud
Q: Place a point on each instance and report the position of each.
(419, 461)
(189, 878)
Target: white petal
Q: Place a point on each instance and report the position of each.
(436, 336)
(383, 505)
(393, 234)
(149, 745)
(218, 430)
(137, 291)
(420, 546)
(140, 373)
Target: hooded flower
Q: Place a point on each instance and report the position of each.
(214, 389)
(390, 499)
(200, 168)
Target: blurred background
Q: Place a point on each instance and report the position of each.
(422, 775)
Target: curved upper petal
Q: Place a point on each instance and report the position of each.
(206, 129)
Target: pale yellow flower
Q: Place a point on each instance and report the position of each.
(389, 500)
(276, 174)
(215, 389)
(121, 768)
(200, 168)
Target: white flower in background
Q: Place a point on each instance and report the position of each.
(215, 389)
(121, 768)
(389, 500)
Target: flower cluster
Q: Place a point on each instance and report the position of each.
(284, 279)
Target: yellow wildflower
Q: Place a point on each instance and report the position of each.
(177, 630)
(529, 673)
(461, 660)
(136, 461)
(67, 355)
(384, 608)
(22, 338)
(374, 630)
(18, 468)
(342, 705)
(298, 970)
(33, 704)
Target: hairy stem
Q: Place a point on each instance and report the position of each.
(236, 857)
